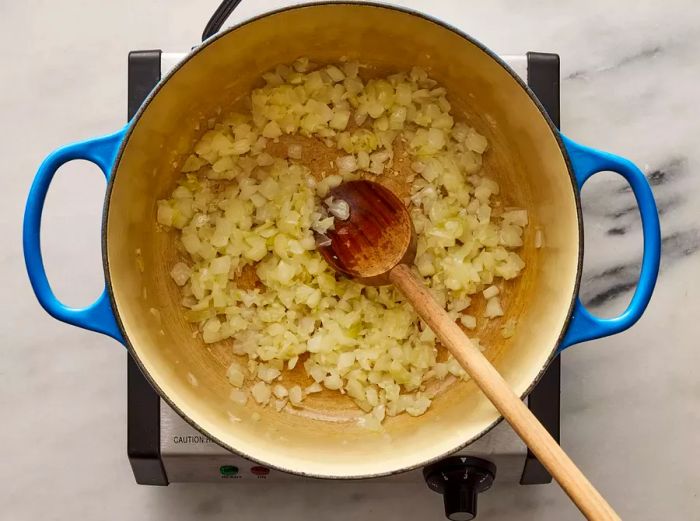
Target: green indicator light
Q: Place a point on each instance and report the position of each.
(228, 470)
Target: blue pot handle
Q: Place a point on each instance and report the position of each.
(98, 316)
(586, 162)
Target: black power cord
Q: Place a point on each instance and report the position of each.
(219, 17)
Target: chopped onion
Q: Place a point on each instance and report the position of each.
(493, 308)
(335, 73)
(321, 226)
(291, 364)
(490, 292)
(267, 374)
(272, 130)
(332, 382)
(468, 321)
(539, 240)
(239, 396)
(247, 217)
(295, 395)
(235, 375)
(261, 392)
(517, 217)
(339, 208)
(347, 163)
(313, 388)
(280, 391)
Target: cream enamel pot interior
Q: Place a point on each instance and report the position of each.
(537, 169)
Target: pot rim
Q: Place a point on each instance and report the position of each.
(221, 34)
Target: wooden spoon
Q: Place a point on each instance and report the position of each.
(376, 245)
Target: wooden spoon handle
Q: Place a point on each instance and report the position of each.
(548, 452)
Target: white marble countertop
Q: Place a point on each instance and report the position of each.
(630, 402)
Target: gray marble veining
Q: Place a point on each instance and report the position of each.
(630, 73)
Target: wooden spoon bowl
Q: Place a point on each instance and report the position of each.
(377, 236)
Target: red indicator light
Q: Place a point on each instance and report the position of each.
(259, 470)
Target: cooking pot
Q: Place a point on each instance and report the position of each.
(537, 168)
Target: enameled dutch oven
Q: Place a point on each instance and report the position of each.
(537, 167)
